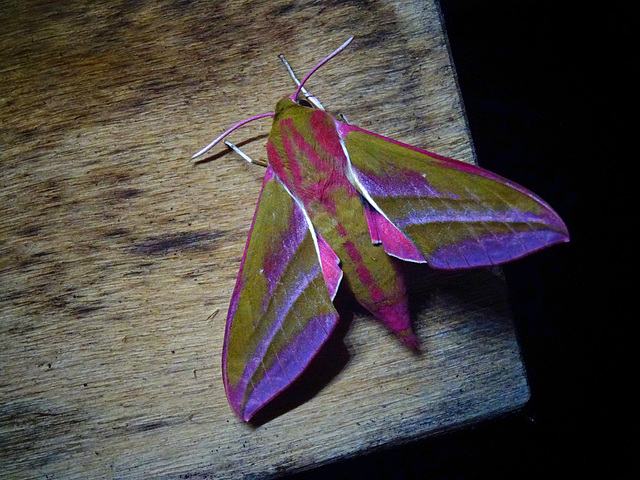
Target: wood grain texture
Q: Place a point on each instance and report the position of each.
(116, 249)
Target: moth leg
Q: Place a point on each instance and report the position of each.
(343, 118)
(313, 100)
(244, 155)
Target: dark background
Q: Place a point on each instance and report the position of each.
(545, 86)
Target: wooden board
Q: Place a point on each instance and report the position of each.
(116, 249)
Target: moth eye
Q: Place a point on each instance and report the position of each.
(305, 103)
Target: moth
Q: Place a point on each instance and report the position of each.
(341, 203)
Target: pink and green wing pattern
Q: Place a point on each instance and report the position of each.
(336, 199)
(424, 207)
(281, 311)
(332, 192)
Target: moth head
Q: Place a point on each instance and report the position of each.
(284, 104)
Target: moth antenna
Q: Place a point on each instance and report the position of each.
(309, 96)
(244, 155)
(312, 99)
(227, 132)
(322, 62)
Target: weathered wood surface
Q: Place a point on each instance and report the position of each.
(116, 249)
